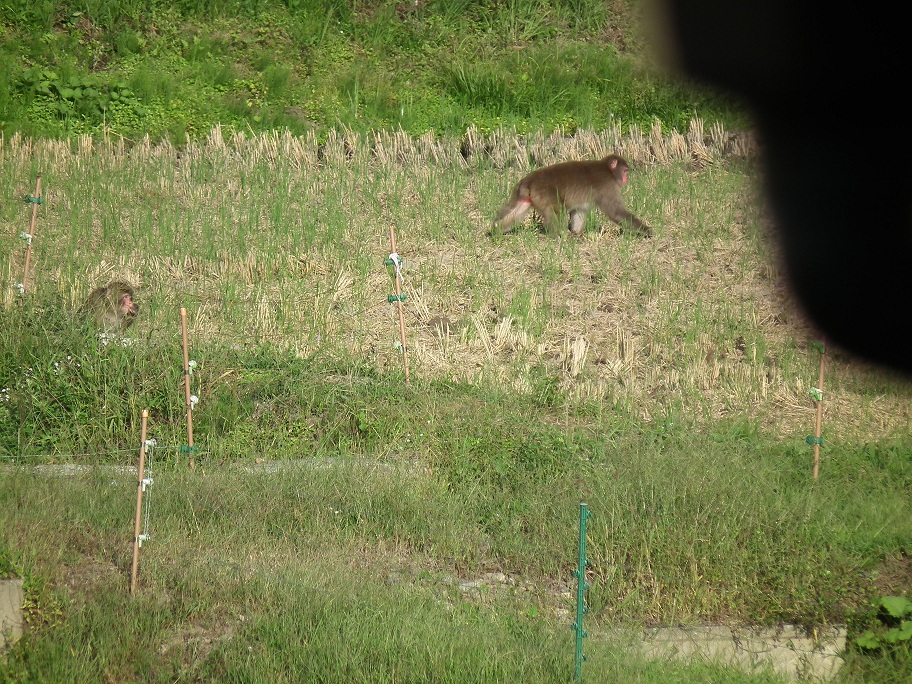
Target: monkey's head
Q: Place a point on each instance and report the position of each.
(618, 168)
(121, 296)
(115, 306)
(111, 306)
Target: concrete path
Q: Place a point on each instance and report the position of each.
(10, 611)
(788, 649)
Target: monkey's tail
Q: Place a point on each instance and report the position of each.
(515, 209)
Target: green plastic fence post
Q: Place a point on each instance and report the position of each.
(581, 587)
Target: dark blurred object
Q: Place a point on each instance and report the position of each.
(825, 83)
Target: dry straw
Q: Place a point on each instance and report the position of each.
(499, 148)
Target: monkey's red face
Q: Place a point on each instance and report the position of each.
(127, 306)
(622, 179)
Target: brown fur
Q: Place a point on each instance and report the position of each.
(112, 306)
(574, 186)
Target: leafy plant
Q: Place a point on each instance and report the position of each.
(85, 96)
(895, 628)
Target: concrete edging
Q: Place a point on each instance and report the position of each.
(11, 598)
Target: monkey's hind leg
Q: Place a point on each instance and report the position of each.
(552, 222)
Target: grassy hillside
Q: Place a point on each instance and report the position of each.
(178, 69)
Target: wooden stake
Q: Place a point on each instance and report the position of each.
(399, 305)
(28, 251)
(139, 493)
(189, 404)
(819, 412)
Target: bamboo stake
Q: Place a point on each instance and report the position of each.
(398, 279)
(35, 200)
(187, 395)
(819, 401)
(139, 493)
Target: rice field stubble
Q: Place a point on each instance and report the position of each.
(282, 240)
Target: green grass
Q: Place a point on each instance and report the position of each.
(176, 70)
(663, 381)
(352, 570)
